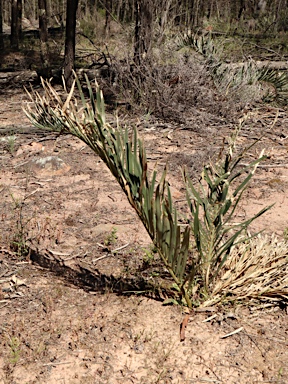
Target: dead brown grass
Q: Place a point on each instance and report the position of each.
(257, 269)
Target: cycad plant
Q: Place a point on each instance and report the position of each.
(230, 78)
(125, 157)
(212, 207)
(213, 204)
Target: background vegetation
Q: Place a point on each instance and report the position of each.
(142, 50)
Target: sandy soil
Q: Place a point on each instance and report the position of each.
(80, 309)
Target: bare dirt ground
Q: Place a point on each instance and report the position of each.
(84, 308)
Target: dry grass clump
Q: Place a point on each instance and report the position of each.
(256, 269)
(172, 90)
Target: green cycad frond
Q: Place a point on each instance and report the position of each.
(279, 80)
(212, 205)
(228, 78)
(125, 157)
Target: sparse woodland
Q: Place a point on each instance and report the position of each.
(149, 25)
(143, 187)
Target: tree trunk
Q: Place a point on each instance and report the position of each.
(16, 23)
(1, 26)
(108, 12)
(43, 23)
(70, 41)
(14, 26)
(163, 14)
(19, 18)
(143, 30)
(18, 78)
(43, 32)
(195, 14)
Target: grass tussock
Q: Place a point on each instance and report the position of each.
(256, 269)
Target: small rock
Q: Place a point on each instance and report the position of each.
(49, 166)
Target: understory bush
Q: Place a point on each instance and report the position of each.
(201, 256)
(169, 84)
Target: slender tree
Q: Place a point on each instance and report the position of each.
(14, 25)
(108, 12)
(70, 40)
(43, 31)
(143, 30)
(1, 26)
(43, 21)
(19, 17)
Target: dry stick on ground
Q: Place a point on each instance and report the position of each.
(183, 327)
